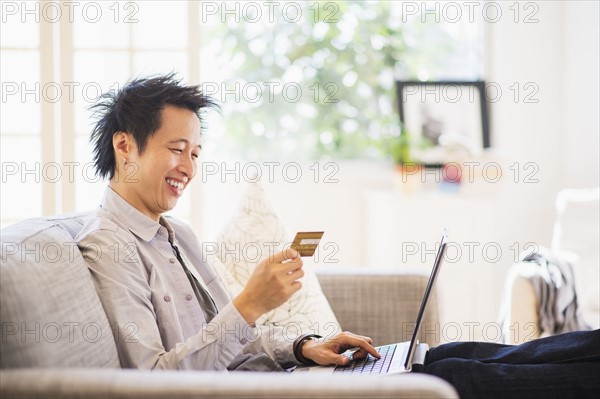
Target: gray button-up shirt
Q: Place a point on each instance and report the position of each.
(155, 316)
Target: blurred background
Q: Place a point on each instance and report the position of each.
(309, 108)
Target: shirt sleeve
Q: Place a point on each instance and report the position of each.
(122, 283)
(277, 342)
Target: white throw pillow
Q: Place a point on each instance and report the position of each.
(254, 232)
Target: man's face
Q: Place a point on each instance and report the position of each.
(154, 181)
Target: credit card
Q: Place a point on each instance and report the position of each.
(306, 242)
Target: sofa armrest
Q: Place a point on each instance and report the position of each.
(381, 303)
(116, 383)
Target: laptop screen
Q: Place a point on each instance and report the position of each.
(436, 267)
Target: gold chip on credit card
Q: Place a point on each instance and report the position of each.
(306, 242)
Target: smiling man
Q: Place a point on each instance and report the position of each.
(167, 166)
(167, 308)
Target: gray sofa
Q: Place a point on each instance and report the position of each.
(57, 342)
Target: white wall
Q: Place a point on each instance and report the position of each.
(581, 94)
(560, 132)
(581, 145)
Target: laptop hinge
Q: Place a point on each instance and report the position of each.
(420, 353)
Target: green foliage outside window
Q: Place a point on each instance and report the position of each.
(344, 57)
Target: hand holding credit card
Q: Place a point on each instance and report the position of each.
(306, 242)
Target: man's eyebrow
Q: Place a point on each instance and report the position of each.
(182, 140)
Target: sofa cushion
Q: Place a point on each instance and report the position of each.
(253, 233)
(50, 313)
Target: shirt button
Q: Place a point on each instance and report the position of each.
(172, 260)
(167, 298)
(188, 297)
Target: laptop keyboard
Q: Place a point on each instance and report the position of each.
(370, 365)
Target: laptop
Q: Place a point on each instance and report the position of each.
(395, 358)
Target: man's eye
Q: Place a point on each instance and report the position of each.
(195, 156)
(176, 150)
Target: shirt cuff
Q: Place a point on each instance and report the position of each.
(216, 345)
(299, 343)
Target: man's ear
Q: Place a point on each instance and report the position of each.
(123, 145)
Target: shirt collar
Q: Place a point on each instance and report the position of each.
(138, 223)
(163, 222)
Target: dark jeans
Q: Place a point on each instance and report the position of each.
(561, 366)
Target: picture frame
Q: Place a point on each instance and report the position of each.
(451, 116)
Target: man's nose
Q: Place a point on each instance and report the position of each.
(188, 167)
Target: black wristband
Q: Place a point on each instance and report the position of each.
(297, 347)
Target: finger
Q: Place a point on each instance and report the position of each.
(359, 354)
(329, 357)
(364, 337)
(370, 349)
(361, 343)
(292, 266)
(296, 286)
(368, 339)
(341, 360)
(288, 253)
(295, 275)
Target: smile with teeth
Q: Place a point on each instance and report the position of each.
(177, 184)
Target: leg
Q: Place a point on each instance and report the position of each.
(578, 346)
(473, 379)
(561, 366)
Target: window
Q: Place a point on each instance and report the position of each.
(57, 58)
(21, 117)
(313, 79)
(297, 79)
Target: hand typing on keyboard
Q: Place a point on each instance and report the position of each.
(368, 364)
(333, 350)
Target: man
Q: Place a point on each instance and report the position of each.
(168, 309)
